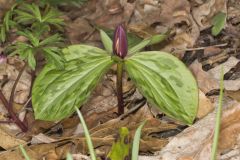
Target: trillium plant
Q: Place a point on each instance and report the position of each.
(162, 78)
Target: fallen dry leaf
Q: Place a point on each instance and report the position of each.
(233, 94)
(9, 141)
(10, 72)
(165, 15)
(201, 134)
(205, 81)
(41, 138)
(204, 13)
(205, 106)
(232, 85)
(79, 30)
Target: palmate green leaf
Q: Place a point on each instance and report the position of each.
(31, 37)
(6, 20)
(23, 17)
(51, 40)
(29, 11)
(166, 83)
(52, 56)
(36, 12)
(56, 92)
(31, 59)
(52, 16)
(3, 33)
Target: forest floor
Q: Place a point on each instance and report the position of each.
(190, 39)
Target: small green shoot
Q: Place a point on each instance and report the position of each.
(218, 119)
(218, 21)
(24, 152)
(31, 14)
(47, 46)
(69, 157)
(87, 135)
(120, 147)
(136, 141)
(7, 24)
(34, 23)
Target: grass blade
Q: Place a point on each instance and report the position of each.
(136, 141)
(218, 120)
(24, 152)
(87, 135)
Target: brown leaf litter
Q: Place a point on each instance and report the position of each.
(189, 23)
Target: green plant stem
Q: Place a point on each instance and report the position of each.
(119, 88)
(218, 120)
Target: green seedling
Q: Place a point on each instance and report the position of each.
(121, 146)
(34, 23)
(218, 22)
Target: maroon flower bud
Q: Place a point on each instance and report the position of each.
(120, 45)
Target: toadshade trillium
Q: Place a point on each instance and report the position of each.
(162, 78)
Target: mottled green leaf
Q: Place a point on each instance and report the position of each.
(121, 146)
(218, 23)
(166, 83)
(56, 92)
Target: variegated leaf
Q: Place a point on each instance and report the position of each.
(56, 92)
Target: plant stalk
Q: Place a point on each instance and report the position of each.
(9, 105)
(13, 116)
(119, 88)
(11, 99)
